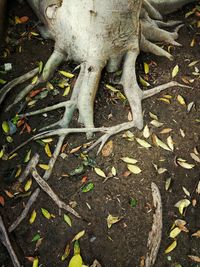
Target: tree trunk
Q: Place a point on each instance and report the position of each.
(3, 4)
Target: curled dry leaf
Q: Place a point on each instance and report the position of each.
(79, 235)
(134, 169)
(184, 164)
(107, 149)
(198, 188)
(182, 204)
(166, 131)
(195, 157)
(197, 234)
(112, 220)
(194, 258)
(168, 183)
(153, 116)
(171, 247)
(181, 225)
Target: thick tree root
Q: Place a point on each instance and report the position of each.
(155, 234)
(6, 242)
(32, 164)
(46, 188)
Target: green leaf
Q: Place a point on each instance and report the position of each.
(36, 238)
(27, 157)
(88, 187)
(5, 127)
(67, 219)
(133, 202)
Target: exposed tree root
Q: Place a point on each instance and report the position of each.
(155, 234)
(9, 86)
(32, 164)
(6, 242)
(46, 188)
(96, 264)
(25, 211)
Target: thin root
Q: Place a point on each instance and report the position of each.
(6, 242)
(47, 189)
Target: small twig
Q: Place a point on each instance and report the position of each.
(46, 188)
(155, 234)
(6, 242)
(25, 211)
(96, 264)
(32, 164)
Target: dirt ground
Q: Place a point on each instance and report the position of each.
(129, 195)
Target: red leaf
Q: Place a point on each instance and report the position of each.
(2, 201)
(24, 19)
(35, 92)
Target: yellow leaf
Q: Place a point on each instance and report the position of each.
(146, 68)
(129, 160)
(171, 247)
(46, 214)
(34, 80)
(28, 185)
(182, 204)
(67, 90)
(66, 74)
(100, 172)
(5, 127)
(35, 262)
(76, 261)
(113, 89)
(68, 220)
(134, 169)
(34, 33)
(27, 157)
(153, 116)
(143, 82)
(44, 166)
(1, 153)
(13, 156)
(33, 217)
(47, 140)
(181, 100)
(112, 220)
(48, 151)
(164, 100)
(78, 236)
(143, 143)
(175, 71)
(175, 232)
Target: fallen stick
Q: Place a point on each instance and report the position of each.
(25, 211)
(6, 242)
(155, 234)
(47, 189)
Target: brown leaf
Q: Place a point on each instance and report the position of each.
(107, 149)
(194, 258)
(2, 201)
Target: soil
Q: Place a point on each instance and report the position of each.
(125, 243)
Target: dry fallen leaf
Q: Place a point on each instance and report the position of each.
(134, 169)
(170, 143)
(112, 220)
(194, 258)
(78, 236)
(182, 204)
(171, 247)
(160, 143)
(146, 132)
(100, 172)
(107, 149)
(175, 71)
(181, 100)
(143, 143)
(129, 160)
(185, 165)
(175, 232)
